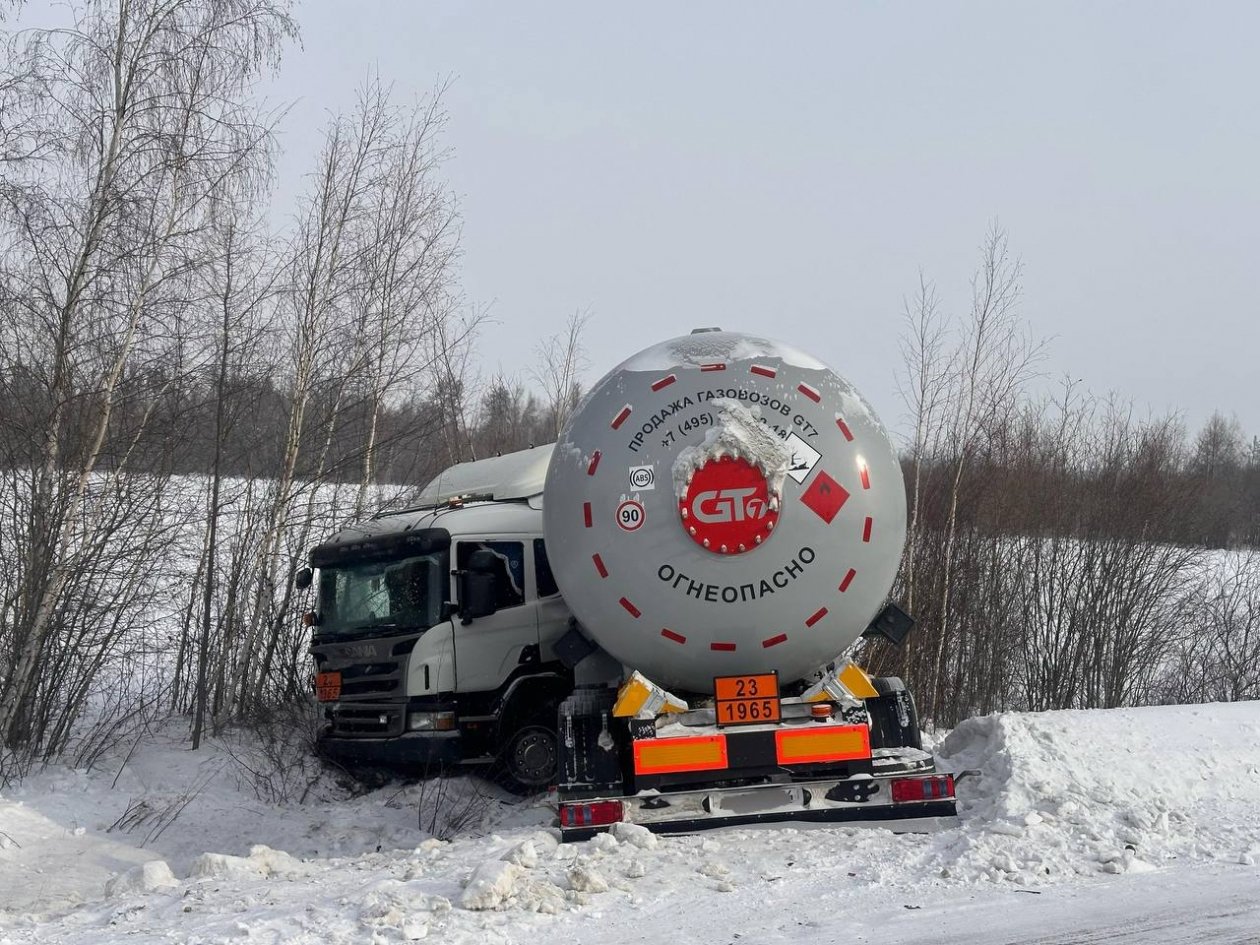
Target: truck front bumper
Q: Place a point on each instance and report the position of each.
(414, 752)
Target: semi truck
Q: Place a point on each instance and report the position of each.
(650, 615)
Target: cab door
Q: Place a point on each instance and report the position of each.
(553, 613)
(488, 648)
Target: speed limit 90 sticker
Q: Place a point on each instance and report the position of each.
(630, 515)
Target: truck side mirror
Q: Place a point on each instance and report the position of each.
(476, 595)
(478, 591)
(302, 580)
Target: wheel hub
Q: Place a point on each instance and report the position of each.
(535, 757)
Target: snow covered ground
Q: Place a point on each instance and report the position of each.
(1136, 825)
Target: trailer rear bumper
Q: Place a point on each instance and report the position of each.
(827, 801)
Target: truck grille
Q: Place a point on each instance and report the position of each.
(373, 684)
(367, 721)
(372, 680)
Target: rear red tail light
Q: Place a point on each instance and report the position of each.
(595, 814)
(937, 788)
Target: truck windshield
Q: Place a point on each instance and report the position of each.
(375, 597)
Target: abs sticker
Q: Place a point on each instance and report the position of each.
(642, 478)
(630, 515)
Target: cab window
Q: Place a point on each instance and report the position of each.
(509, 575)
(543, 577)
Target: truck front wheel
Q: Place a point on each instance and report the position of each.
(527, 763)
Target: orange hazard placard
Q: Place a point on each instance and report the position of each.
(747, 700)
(328, 687)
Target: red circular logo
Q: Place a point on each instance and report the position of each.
(727, 506)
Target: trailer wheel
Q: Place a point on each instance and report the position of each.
(528, 761)
(894, 718)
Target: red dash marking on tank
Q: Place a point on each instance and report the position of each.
(713, 367)
(669, 634)
(844, 428)
(722, 647)
(848, 579)
(866, 528)
(866, 477)
(763, 371)
(586, 514)
(818, 615)
(621, 417)
(599, 565)
(809, 392)
(590, 470)
(774, 641)
(664, 382)
(630, 608)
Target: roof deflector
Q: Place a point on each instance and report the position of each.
(518, 475)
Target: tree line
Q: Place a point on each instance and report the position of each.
(1063, 552)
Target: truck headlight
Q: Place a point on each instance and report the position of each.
(430, 721)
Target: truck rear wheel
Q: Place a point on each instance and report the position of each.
(894, 718)
(528, 762)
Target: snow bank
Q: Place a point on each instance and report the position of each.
(490, 884)
(53, 863)
(146, 878)
(1079, 792)
(262, 861)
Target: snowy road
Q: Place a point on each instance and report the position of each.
(1216, 905)
(1208, 906)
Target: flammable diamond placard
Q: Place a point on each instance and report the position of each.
(825, 497)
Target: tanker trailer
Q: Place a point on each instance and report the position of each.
(725, 517)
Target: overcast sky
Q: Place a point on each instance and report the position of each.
(788, 168)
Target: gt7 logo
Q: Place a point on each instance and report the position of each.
(727, 505)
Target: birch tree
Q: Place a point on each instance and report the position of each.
(129, 121)
(995, 358)
(561, 359)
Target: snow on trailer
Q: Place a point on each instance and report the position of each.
(731, 516)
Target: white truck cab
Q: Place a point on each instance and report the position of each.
(415, 674)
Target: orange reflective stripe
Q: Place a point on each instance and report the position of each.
(811, 746)
(668, 755)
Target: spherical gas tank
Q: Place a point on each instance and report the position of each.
(722, 504)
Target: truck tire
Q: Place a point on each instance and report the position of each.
(528, 761)
(894, 718)
(527, 752)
